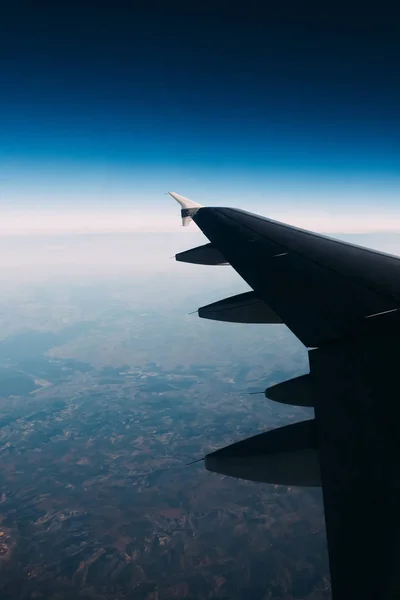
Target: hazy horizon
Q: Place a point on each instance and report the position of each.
(109, 256)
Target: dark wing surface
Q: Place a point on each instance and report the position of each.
(342, 301)
(321, 288)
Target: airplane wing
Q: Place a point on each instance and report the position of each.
(342, 301)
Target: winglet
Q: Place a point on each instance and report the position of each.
(188, 207)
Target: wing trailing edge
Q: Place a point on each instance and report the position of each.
(299, 391)
(202, 255)
(242, 308)
(284, 456)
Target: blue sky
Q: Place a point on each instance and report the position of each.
(102, 112)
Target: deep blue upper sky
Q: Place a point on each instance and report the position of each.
(105, 97)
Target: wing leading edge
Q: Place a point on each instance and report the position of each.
(343, 301)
